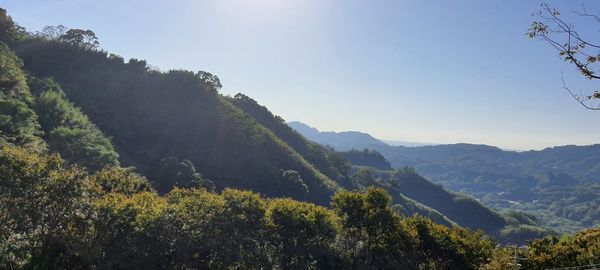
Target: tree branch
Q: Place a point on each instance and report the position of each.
(579, 98)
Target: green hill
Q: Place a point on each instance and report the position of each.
(366, 157)
(154, 115)
(471, 213)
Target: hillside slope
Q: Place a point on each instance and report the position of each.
(325, 159)
(153, 116)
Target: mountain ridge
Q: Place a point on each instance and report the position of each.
(510, 179)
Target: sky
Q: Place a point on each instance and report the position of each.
(421, 71)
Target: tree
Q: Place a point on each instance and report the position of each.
(244, 229)
(82, 38)
(44, 209)
(302, 234)
(211, 231)
(373, 234)
(210, 80)
(129, 232)
(293, 184)
(120, 180)
(502, 259)
(9, 30)
(52, 32)
(172, 172)
(362, 179)
(584, 54)
(199, 181)
(583, 248)
(18, 122)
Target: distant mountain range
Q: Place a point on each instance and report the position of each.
(405, 143)
(347, 140)
(561, 184)
(339, 140)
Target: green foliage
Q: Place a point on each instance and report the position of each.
(88, 148)
(26, 119)
(516, 217)
(120, 180)
(18, 122)
(581, 249)
(294, 185)
(68, 131)
(61, 217)
(502, 259)
(374, 235)
(218, 231)
(9, 30)
(12, 78)
(362, 179)
(127, 232)
(209, 80)
(303, 233)
(450, 248)
(175, 173)
(43, 206)
(515, 234)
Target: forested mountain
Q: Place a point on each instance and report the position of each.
(154, 117)
(557, 184)
(109, 164)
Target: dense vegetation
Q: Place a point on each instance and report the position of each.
(57, 216)
(71, 115)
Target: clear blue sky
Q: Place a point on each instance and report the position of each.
(425, 71)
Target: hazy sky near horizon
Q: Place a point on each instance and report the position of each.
(423, 71)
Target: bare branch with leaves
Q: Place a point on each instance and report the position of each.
(582, 53)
